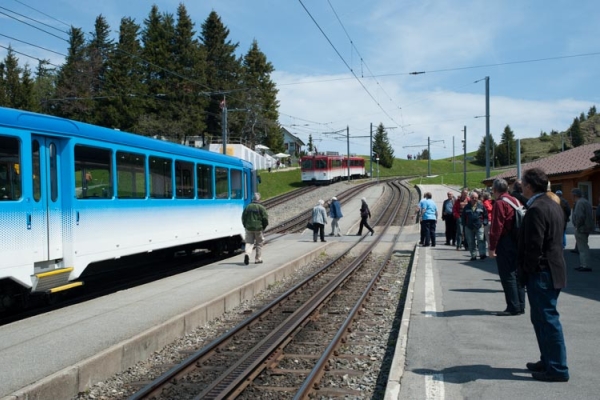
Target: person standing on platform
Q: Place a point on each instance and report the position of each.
(429, 215)
(474, 218)
(583, 221)
(335, 212)
(564, 204)
(517, 192)
(255, 220)
(459, 205)
(365, 214)
(319, 220)
(542, 269)
(503, 246)
(448, 219)
(420, 208)
(486, 200)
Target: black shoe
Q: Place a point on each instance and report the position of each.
(543, 376)
(473, 258)
(536, 367)
(482, 257)
(424, 245)
(447, 244)
(506, 314)
(575, 251)
(372, 232)
(583, 269)
(246, 259)
(323, 240)
(433, 245)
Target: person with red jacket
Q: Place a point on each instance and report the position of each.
(486, 200)
(457, 210)
(503, 246)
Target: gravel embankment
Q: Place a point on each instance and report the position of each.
(126, 383)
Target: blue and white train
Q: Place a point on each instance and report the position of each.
(74, 194)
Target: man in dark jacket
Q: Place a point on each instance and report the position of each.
(542, 269)
(255, 220)
(448, 218)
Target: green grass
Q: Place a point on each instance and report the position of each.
(442, 171)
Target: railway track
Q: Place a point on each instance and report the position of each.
(309, 322)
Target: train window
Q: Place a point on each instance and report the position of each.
(93, 172)
(307, 164)
(10, 169)
(184, 179)
(205, 181)
(36, 164)
(237, 188)
(161, 178)
(222, 182)
(320, 164)
(336, 163)
(131, 175)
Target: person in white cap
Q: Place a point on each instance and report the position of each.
(319, 220)
(335, 212)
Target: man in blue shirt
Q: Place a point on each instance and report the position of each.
(429, 216)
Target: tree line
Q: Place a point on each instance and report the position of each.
(160, 78)
(504, 153)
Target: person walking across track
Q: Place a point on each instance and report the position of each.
(365, 214)
(583, 221)
(255, 220)
(474, 218)
(335, 212)
(319, 220)
(449, 220)
(503, 246)
(542, 269)
(429, 216)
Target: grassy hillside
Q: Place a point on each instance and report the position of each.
(442, 171)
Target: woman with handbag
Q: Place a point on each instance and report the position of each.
(319, 220)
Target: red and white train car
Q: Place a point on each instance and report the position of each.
(324, 168)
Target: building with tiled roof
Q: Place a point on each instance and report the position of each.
(567, 170)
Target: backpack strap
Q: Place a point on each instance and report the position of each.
(513, 205)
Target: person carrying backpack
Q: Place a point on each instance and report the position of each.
(503, 246)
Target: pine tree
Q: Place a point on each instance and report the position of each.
(505, 151)
(576, 134)
(3, 98)
(74, 82)
(260, 99)
(381, 146)
(591, 112)
(44, 87)
(480, 155)
(222, 70)
(12, 80)
(26, 100)
(126, 93)
(99, 50)
(581, 117)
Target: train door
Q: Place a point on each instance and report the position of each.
(46, 217)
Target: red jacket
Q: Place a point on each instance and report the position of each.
(502, 219)
(459, 204)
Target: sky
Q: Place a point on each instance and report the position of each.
(342, 66)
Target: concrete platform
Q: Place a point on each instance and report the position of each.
(452, 346)
(58, 354)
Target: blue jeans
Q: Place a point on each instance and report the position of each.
(546, 324)
(475, 242)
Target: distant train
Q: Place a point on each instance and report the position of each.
(324, 169)
(74, 194)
